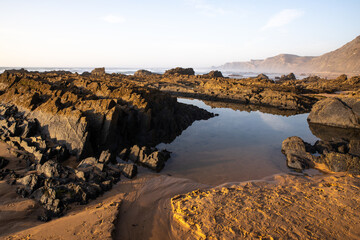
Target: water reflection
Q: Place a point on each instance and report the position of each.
(327, 133)
(275, 122)
(234, 146)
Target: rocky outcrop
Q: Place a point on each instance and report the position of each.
(98, 72)
(214, 74)
(336, 112)
(180, 71)
(290, 76)
(337, 150)
(142, 73)
(48, 117)
(92, 114)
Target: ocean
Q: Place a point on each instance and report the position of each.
(131, 71)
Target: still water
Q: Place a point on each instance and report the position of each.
(233, 146)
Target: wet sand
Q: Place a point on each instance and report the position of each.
(324, 206)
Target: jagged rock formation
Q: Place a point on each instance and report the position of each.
(46, 117)
(343, 60)
(91, 113)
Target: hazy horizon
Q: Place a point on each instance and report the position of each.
(163, 34)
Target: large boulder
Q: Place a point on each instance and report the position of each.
(336, 112)
(296, 152)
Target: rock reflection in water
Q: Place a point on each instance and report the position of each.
(327, 133)
(234, 146)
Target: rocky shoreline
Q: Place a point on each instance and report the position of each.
(74, 136)
(105, 125)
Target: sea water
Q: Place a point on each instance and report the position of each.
(233, 146)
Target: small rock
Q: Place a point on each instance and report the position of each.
(106, 157)
(156, 160)
(50, 169)
(134, 153)
(87, 162)
(30, 182)
(296, 153)
(129, 170)
(124, 154)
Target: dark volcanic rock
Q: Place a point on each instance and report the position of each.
(180, 71)
(336, 112)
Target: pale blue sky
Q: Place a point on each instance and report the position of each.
(188, 33)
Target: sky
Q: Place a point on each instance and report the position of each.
(186, 33)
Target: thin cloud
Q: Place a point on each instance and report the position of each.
(283, 18)
(206, 8)
(113, 19)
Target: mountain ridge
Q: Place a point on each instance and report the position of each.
(345, 59)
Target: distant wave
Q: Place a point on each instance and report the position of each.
(131, 71)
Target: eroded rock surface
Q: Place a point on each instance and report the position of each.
(89, 114)
(48, 117)
(336, 150)
(283, 208)
(344, 112)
